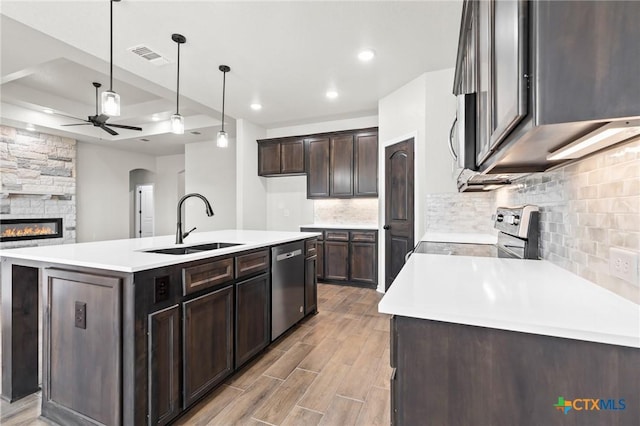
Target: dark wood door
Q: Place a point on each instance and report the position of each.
(268, 158)
(292, 156)
(363, 263)
(253, 317)
(336, 265)
(399, 212)
(320, 259)
(341, 166)
(164, 365)
(317, 165)
(310, 286)
(208, 342)
(365, 169)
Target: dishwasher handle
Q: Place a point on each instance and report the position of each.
(288, 255)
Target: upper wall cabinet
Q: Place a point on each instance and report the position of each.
(545, 73)
(284, 156)
(342, 165)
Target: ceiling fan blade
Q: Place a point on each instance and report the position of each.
(120, 126)
(69, 116)
(78, 124)
(108, 130)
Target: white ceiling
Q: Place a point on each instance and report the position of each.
(284, 55)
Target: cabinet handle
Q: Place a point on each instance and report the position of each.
(386, 227)
(451, 150)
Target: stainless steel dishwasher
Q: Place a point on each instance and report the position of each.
(287, 287)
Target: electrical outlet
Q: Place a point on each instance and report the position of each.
(624, 264)
(162, 286)
(80, 315)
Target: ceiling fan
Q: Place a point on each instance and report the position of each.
(100, 120)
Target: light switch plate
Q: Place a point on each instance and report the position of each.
(624, 265)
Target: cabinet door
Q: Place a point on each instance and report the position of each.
(292, 156)
(508, 61)
(82, 366)
(164, 365)
(363, 266)
(341, 166)
(310, 286)
(336, 260)
(320, 259)
(483, 126)
(208, 342)
(365, 172)
(317, 164)
(268, 158)
(253, 317)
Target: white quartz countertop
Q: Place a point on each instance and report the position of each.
(129, 256)
(340, 226)
(460, 237)
(531, 296)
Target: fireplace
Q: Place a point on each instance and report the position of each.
(30, 229)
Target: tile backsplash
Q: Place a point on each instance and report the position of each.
(453, 212)
(351, 211)
(587, 208)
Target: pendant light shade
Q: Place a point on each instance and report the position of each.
(110, 99)
(223, 138)
(177, 121)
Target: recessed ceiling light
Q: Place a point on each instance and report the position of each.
(30, 127)
(366, 55)
(332, 94)
(48, 111)
(256, 107)
(155, 117)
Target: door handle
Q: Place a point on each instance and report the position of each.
(386, 227)
(451, 150)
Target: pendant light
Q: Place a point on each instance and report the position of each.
(177, 121)
(110, 99)
(223, 139)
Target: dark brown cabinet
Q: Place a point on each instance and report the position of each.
(253, 317)
(347, 256)
(365, 164)
(310, 277)
(164, 365)
(317, 162)
(208, 342)
(284, 156)
(341, 166)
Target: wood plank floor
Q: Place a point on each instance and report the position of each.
(332, 369)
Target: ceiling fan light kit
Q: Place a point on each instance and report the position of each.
(223, 139)
(177, 121)
(110, 99)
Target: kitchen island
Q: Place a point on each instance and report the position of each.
(477, 340)
(132, 334)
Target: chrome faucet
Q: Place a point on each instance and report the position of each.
(180, 236)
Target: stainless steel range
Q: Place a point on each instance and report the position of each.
(518, 236)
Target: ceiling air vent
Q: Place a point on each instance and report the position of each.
(148, 54)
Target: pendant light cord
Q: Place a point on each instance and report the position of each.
(111, 48)
(178, 83)
(224, 84)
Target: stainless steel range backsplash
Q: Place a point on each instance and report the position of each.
(587, 208)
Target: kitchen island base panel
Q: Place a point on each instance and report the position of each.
(459, 374)
(19, 331)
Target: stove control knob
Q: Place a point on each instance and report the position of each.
(516, 220)
(500, 217)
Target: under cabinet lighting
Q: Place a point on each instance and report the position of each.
(47, 111)
(603, 137)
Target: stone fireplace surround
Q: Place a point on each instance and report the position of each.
(38, 177)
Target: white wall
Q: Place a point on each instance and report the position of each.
(287, 205)
(210, 171)
(103, 191)
(422, 109)
(251, 189)
(169, 169)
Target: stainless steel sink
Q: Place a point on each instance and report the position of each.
(193, 249)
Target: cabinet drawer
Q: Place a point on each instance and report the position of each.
(337, 235)
(363, 236)
(208, 275)
(252, 263)
(310, 248)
